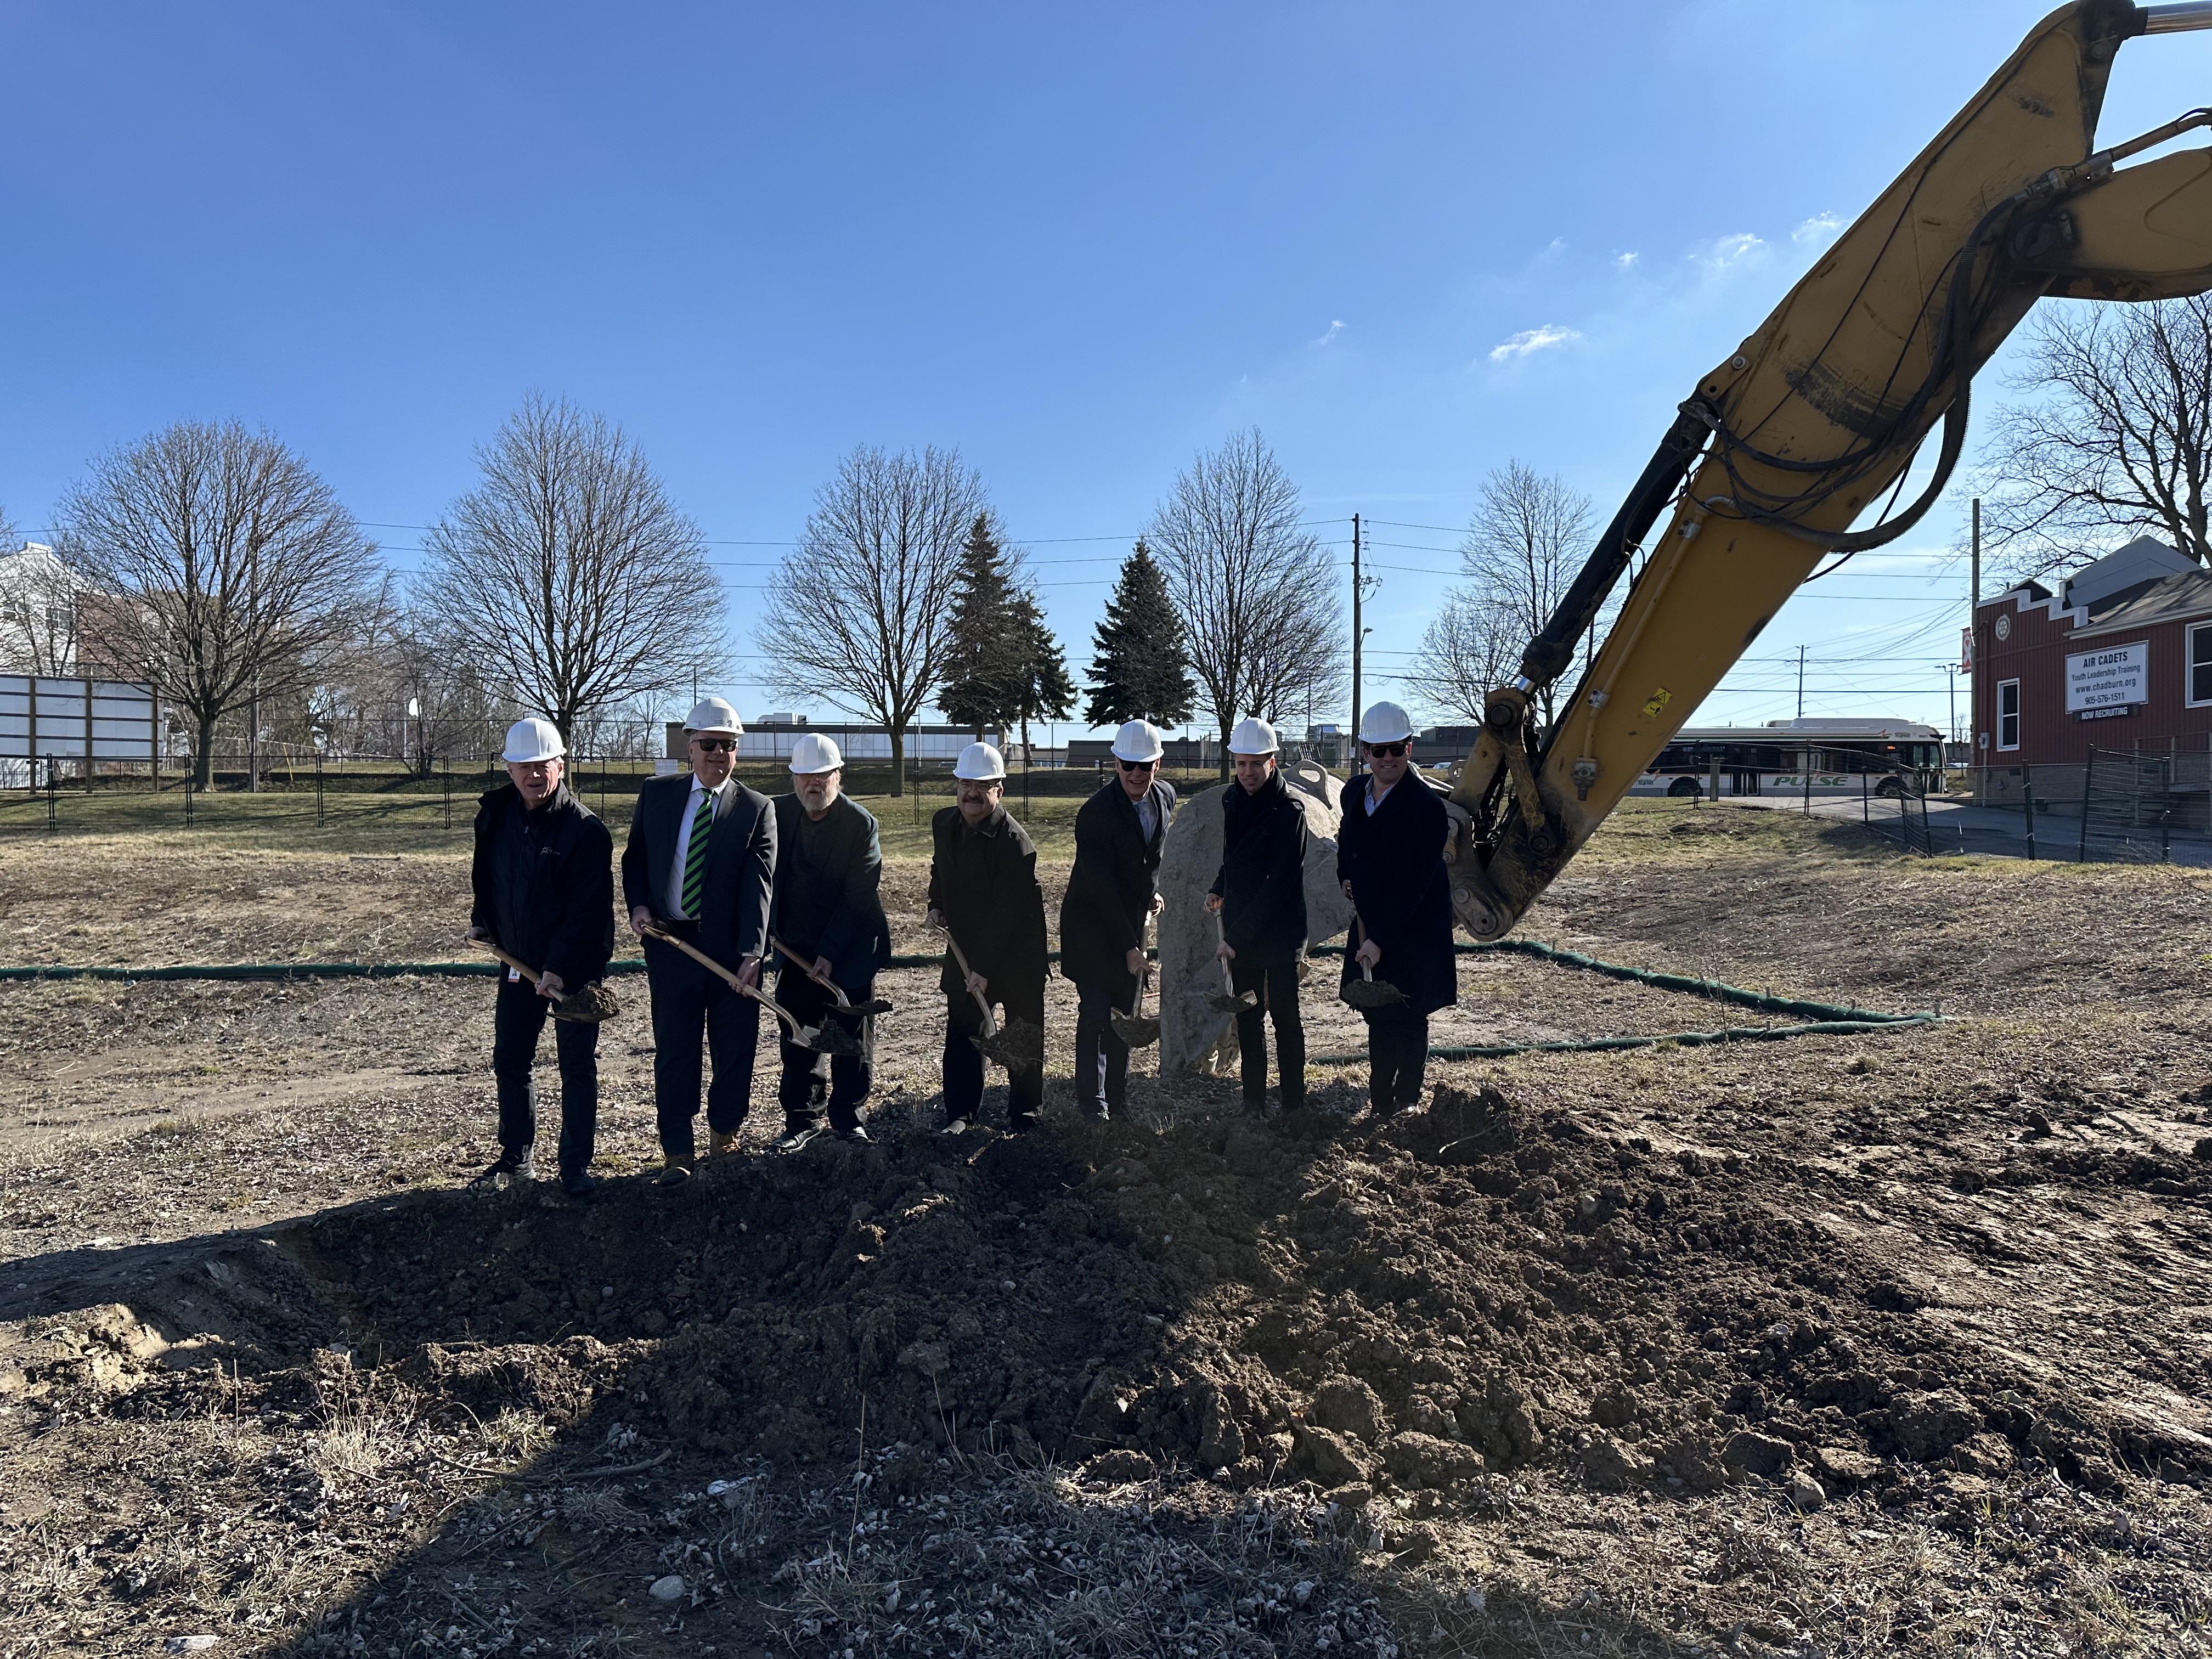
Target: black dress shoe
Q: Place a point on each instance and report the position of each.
(795, 1138)
(577, 1184)
(855, 1132)
(516, 1163)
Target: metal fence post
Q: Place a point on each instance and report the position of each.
(53, 797)
(319, 789)
(2027, 787)
(2088, 789)
(449, 792)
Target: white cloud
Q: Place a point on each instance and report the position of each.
(1727, 253)
(1531, 339)
(1335, 328)
(1627, 261)
(1818, 231)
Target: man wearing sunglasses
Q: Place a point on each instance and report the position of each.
(1390, 858)
(700, 864)
(1112, 892)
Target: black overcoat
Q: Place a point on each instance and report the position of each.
(1262, 881)
(1394, 859)
(740, 864)
(544, 883)
(985, 885)
(828, 890)
(1110, 890)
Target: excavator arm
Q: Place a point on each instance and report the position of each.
(1784, 444)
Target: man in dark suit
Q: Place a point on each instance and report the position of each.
(699, 865)
(1112, 892)
(1260, 897)
(828, 867)
(983, 890)
(1390, 858)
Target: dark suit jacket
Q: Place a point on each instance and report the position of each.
(830, 903)
(740, 864)
(986, 887)
(544, 883)
(1395, 860)
(1262, 881)
(1109, 892)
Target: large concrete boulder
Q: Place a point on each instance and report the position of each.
(1190, 1031)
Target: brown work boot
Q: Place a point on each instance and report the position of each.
(675, 1169)
(721, 1143)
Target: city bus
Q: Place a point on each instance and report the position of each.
(1846, 757)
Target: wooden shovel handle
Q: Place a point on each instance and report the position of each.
(1359, 929)
(990, 1026)
(807, 968)
(734, 981)
(523, 968)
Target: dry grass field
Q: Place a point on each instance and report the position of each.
(1897, 1343)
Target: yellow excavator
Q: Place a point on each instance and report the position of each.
(1783, 444)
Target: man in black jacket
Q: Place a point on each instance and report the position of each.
(983, 888)
(829, 912)
(1112, 892)
(699, 865)
(543, 893)
(1390, 858)
(1261, 897)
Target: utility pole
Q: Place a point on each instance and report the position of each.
(1800, 682)
(1352, 737)
(1974, 658)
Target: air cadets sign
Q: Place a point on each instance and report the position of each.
(2118, 676)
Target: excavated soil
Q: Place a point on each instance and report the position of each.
(1893, 1343)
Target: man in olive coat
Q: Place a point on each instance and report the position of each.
(699, 865)
(1112, 892)
(829, 914)
(1260, 897)
(1390, 858)
(543, 886)
(983, 888)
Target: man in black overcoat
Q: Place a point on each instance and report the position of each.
(983, 887)
(543, 886)
(699, 865)
(1261, 897)
(829, 914)
(1390, 858)
(1112, 892)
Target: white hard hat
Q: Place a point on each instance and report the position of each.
(714, 715)
(815, 753)
(1137, 741)
(1385, 722)
(980, 763)
(1252, 736)
(533, 739)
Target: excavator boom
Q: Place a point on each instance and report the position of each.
(1785, 443)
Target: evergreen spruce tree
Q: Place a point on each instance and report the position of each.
(984, 673)
(1046, 692)
(1139, 668)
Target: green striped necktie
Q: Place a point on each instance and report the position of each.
(695, 854)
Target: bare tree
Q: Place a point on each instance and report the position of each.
(568, 573)
(2116, 441)
(861, 613)
(1257, 594)
(1526, 541)
(228, 570)
(1469, 649)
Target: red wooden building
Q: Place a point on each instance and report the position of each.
(2118, 659)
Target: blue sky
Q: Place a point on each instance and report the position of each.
(1407, 241)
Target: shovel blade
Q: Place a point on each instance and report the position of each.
(1371, 994)
(1221, 1002)
(594, 1003)
(1137, 1030)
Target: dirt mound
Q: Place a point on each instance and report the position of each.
(1470, 1288)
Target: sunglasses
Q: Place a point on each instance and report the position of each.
(1387, 750)
(1135, 766)
(715, 746)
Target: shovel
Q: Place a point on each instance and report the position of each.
(832, 1041)
(845, 1003)
(1229, 999)
(1367, 991)
(588, 1007)
(1020, 1044)
(1136, 1028)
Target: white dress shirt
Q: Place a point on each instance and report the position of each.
(1374, 795)
(683, 842)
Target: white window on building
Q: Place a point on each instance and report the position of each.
(2200, 665)
(2008, 714)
